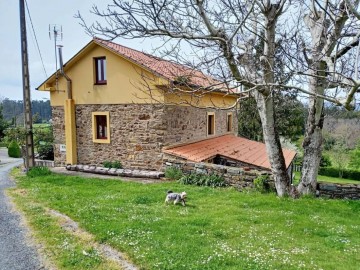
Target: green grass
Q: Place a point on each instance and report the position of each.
(218, 229)
(323, 178)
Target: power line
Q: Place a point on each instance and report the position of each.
(37, 44)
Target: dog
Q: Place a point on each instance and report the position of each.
(176, 197)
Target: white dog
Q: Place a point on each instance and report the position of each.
(175, 197)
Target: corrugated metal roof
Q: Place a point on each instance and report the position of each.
(230, 146)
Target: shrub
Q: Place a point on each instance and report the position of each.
(46, 152)
(335, 172)
(261, 183)
(325, 160)
(38, 171)
(14, 150)
(116, 165)
(173, 173)
(212, 180)
(17, 134)
(112, 164)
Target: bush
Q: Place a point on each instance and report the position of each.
(14, 150)
(38, 171)
(335, 172)
(112, 164)
(173, 173)
(46, 152)
(261, 183)
(325, 161)
(212, 180)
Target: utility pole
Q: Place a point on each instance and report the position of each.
(29, 143)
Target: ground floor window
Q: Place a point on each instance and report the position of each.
(229, 122)
(210, 123)
(101, 127)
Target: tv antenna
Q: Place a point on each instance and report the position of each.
(56, 34)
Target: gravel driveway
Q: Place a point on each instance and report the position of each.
(15, 252)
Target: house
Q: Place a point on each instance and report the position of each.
(110, 102)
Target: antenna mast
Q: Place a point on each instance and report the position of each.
(56, 33)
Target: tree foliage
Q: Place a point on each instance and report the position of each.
(289, 113)
(3, 123)
(43, 139)
(13, 110)
(354, 162)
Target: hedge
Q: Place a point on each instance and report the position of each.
(14, 150)
(334, 172)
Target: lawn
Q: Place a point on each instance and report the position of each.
(218, 229)
(323, 178)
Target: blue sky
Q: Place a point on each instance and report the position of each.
(42, 13)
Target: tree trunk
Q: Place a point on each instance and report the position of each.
(312, 143)
(313, 134)
(273, 147)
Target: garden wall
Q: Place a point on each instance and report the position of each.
(339, 191)
(238, 177)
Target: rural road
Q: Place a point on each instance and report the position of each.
(15, 251)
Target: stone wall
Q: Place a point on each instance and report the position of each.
(136, 135)
(138, 132)
(186, 123)
(339, 191)
(58, 118)
(237, 177)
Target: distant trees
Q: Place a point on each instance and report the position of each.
(289, 112)
(13, 111)
(3, 124)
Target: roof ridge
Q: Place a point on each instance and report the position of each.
(147, 54)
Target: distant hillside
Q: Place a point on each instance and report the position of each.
(14, 109)
(346, 128)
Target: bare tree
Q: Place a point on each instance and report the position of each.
(240, 41)
(329, 59)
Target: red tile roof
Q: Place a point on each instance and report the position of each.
(230, 146)
(167, 69)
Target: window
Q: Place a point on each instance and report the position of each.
(101, 127)
(100, 70)
(229, 122)
(210, 123)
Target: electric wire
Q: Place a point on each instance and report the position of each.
(37, 43)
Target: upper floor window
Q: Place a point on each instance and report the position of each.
(100, 70)
(229, 122)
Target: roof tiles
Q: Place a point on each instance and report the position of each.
(167, 69)
(230, 146)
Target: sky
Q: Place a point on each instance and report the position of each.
(43, 13)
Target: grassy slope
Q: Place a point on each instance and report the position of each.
(219, 229)
(323, 178)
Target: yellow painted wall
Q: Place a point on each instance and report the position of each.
(123, 81)
(217, 100)
(124, 84)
